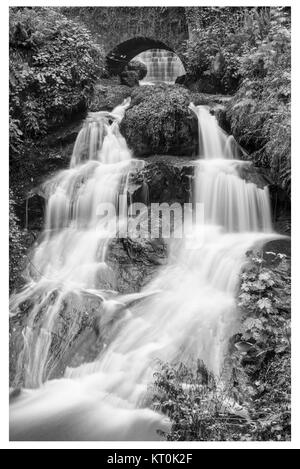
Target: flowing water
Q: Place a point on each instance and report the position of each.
(187, 311)
(162, 66)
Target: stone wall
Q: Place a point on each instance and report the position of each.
(112, 26)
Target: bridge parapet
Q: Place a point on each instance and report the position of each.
(159, 27)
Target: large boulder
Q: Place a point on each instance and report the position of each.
(135, 261)
(81, 330)
(129, 78)
(75, 338)
(160, 122)
(138, 67)
(164, 178)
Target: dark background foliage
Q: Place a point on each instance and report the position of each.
(246, 52)
(54, 63)
(53, 66)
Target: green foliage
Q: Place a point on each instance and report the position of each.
(16, 249)
(15, 137)
(265, 304)
(53, 65)
(138, 67)
(248, 48)
(259, 113)
(215, 45)
(265, 290)
(261, 353)
(199, 407)
(229, 46)
(251, 399)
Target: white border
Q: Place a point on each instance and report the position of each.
(4, 239)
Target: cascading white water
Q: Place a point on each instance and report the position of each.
(188, 311)
(71, 255)
(228, 200)
(162, 66)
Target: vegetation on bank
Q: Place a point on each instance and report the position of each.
(16, 246)
(260, 112)
(54, 64)
(247, 52)
(251, 400)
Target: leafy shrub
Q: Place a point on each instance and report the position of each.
(248, 47)
(261, 355)
(15, 137)
(16, 249)
(254, 44)
(199, 409)
(214, 48)
(53, 65)
(251, 399)
(259, 113)
(252, 48)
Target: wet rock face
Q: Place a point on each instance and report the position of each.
(207, 83)
(108, 94)
(281, 209)
(135, 262)
(251, 174)
(159, 122)
(138, 67)
(129, 78)
(44, 159)
(165, 178)
(75, 338)
(279, 199)
(133, 72)
(83, 324)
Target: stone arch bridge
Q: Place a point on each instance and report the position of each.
(124, 32)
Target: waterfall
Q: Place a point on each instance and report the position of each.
(72, 252)
(162, 66)
(189, 309)
(228, 200)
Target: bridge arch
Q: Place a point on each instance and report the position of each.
(119, 57)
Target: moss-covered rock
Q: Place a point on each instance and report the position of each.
(129, 78)
(159, 121)
(108, 93)
(138, 67)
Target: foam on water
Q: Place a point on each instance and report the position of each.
(188, 310)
